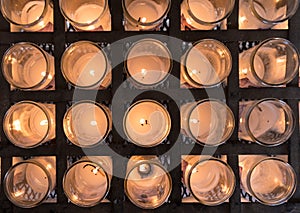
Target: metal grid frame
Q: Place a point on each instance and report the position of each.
(62, 95)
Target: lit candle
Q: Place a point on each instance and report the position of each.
(26, 66)
(87, 16)
(148, 63)
(144, 12)
(89, 69)
(91, 177)
(206, 63)
(28, 124)
(87, 123)
(147, 123)
(85, 65)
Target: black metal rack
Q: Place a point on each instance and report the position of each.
(62, 95)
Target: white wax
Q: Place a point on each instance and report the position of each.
(265, 118)
(32, 11)
(205, 177)
(87, 13)
(89, 123)
(199, 67)
(204, 10)
(149, 69)
(146, 123)
(145, 11)
(89, 69)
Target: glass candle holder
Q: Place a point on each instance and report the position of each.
(144, 14)
(274, 62)
(147, 123)
(206, 64)
(270, 180)
(210, 180)
(209, 122)
(147, 183)
(204, 14)
(86, 183)
(87, 123)
(85, 65)
(28, 124)
(268, 122)
(87, 15)
(261, 14)
(28, 67)
(28, 183)
(29, 15)
(148, 63)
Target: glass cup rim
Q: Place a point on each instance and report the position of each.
(82, 24)
(45, 10)
(36, 163)
(45, 56)
(100, 106)
(257, 48)
(273, 22)
(77, 45)
(284, 105)
(35, 104)
(73, 166)
(153, 162)
(166, 113)
(206, 159)
(212, 22)
(145, 24)
(158, 43)
(197, 103)
(292, 189)
(195, 44)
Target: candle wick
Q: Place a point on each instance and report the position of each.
(94, 169)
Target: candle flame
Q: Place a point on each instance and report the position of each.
(17, 125)
(144, 19)
(142, 121)
(44, 123)
(144, 72)
(95, 171)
